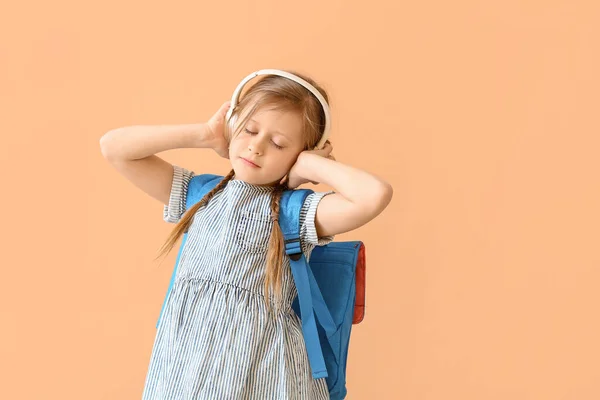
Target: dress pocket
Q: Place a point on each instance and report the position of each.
(254, 231)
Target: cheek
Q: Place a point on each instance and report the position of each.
(235, 145)
(287, 161)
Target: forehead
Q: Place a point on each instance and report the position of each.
(284, 122)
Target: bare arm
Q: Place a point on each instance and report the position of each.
(140, 141)
(131, 151)
(360, 196)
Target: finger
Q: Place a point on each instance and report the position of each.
(326, 150)
(225, 107)
(323, 146)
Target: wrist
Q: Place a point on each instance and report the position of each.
(304, 162)
(201, 136)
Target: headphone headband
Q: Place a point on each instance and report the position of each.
(297, 79)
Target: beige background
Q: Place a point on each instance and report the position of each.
(482, 273)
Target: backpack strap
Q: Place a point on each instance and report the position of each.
(197, 188)
(200, 185)
(310, 299)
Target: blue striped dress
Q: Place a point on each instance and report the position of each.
(216, 338)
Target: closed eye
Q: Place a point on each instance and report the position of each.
(254, 133)
(276, 145)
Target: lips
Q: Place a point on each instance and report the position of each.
(248, 162)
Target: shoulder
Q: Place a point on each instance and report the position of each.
(191, 186)
(303, 204)
(202, 179)
(200, 182)
(302, 201)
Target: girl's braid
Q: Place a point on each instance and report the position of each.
(276, 249)
(207, 198)
(186, 220)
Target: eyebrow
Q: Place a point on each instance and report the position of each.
(281, 133)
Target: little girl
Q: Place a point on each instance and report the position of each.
(228, 330)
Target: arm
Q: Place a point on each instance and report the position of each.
(359, 196)
(131, 150)
(140, 141)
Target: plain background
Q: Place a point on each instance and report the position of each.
(483, 272)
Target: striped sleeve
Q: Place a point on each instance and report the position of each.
(308, 230)
(173, 211)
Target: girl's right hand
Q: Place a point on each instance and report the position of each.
(216, 131)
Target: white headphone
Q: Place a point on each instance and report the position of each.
(234, 99)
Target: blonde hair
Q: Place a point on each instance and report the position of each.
(283, 94)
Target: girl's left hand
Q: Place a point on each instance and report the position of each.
(294, 177)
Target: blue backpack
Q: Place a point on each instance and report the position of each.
(331, 287)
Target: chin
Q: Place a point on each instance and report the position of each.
(248, 176)
(254, 176)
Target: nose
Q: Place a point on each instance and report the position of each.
(255, 145)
